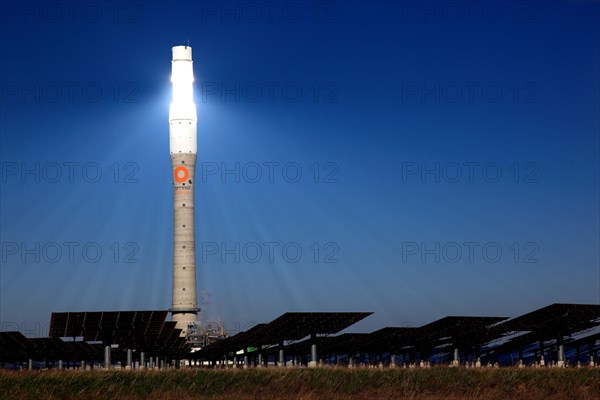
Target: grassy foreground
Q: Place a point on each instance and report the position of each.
(291, 383)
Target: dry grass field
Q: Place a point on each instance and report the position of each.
(293, 383)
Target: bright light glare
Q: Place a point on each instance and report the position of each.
(183, 84)
(183, 93)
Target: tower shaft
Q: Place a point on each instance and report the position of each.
(183, 147)
(185, 307)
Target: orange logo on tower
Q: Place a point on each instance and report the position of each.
(181, 174)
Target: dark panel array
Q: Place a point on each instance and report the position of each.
(545, 334)
(82, 336)
(14, 347)
(454, 339)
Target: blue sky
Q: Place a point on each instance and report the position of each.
(412, 159)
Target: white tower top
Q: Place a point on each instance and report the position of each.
(182, 113)
(182, 53)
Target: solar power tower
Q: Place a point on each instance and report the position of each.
(183, 147)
